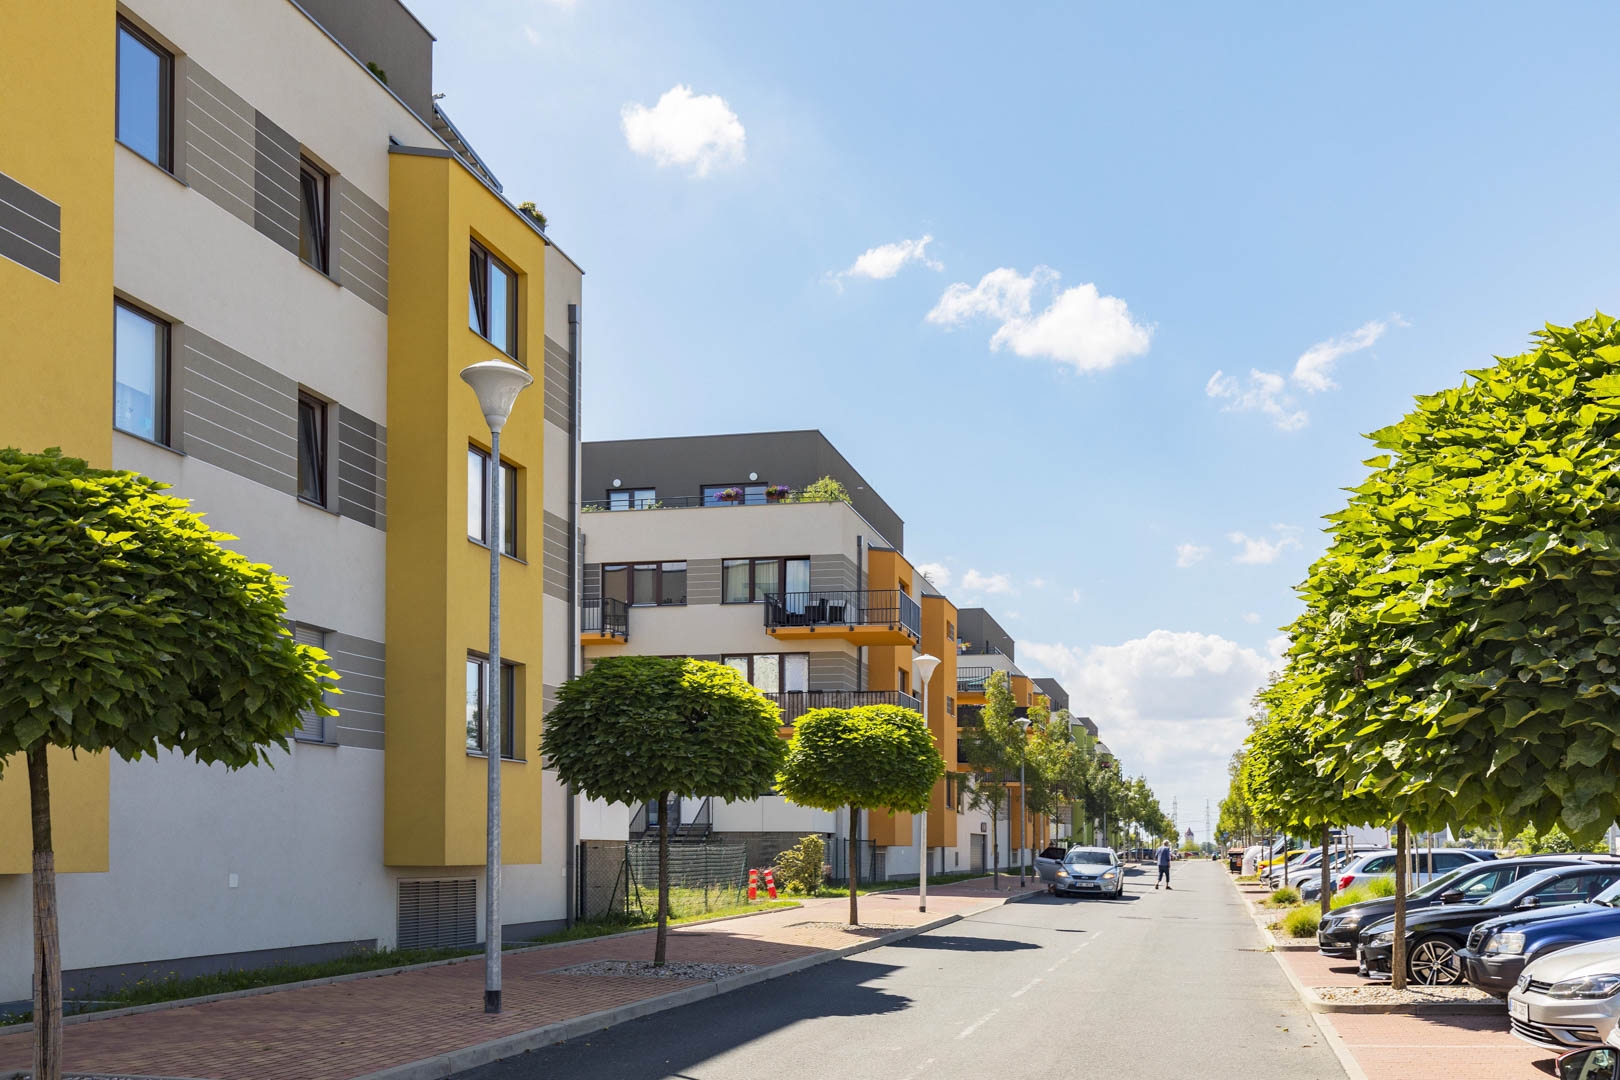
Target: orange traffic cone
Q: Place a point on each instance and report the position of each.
(753, 885)
(770, 884)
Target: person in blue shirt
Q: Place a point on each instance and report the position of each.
(1164, 866)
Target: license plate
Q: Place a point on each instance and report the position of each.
(1519, 1010)
(1088, 885)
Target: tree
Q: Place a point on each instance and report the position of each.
(638, 729)
(129, 629)
(827, 489)
(866, 758)
(992, 747)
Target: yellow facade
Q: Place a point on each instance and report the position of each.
(56, 381)
(887, 569)
(438, 583)
(939, 615)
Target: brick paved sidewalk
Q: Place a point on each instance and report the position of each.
(349, 1029)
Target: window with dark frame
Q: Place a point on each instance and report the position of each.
(492, 300)
(144, 114)
(649, 584)
(750, 581)
(312, 444)
(315, 216)
(632, 498)
(140, 373)
(950, 706)
(478, 501)
(734, 494)
(773, 673)
(477, 668)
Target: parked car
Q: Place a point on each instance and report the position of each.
(1296, 869)
(1570, 998)
(1049, 862)
(1381, 864)
(1310, 888)
(1435, 935)
(1499, 950)
(1340, 927)
(1090, 871)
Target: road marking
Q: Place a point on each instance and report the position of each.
(971, 1028)
(1086, 942)
(919, 1070)
(1027, 987)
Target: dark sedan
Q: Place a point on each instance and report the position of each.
(1499, 949)
(1341, 927)
(1436, 935)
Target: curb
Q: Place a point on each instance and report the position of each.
(448, 1064)
(353, 976)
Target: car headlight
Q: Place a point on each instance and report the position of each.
(1062, 873)
(1350, 920)
(1386, 938)
(1505, 944)
(1591, 986)
(1111, 873)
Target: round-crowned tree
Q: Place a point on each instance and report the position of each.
(866, 758)
(128, 628)
(638, 729)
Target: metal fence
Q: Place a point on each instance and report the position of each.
(702, 877)
(871, 860)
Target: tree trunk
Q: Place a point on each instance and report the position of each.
(854, 862)
(1397, 956)
(995, 847)
(1327, 838)
(662, 938)
(47, 946)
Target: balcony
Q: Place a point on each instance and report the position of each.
(970, 684)
(859, 616)
(604, 621)
(795, 703)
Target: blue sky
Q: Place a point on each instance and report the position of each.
(1334, 209)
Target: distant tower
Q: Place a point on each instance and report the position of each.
(1175, 812)
(1208, 833)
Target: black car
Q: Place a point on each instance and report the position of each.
(1435, 935)
(1342, 927)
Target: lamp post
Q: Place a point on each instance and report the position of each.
(497, 384)
(1023, 793)
(923, 667)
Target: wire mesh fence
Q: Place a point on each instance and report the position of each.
(871, 860)
(702, 878)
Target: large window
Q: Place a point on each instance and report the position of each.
(315, 217)
(477, 667)
(145, 96)
(632, 499)
(312, 449)
(651, 584)
(492, 301)
(734, 494)
(140, 373)
(478, 501)
(773, 673)
(748, 581)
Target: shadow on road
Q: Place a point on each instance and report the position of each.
(962, 944)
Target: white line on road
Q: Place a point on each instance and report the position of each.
(919, 1070)
(971, 1028)
(1027, 987)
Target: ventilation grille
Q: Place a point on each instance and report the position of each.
(438, 914)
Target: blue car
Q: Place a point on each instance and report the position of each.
(1498, 949)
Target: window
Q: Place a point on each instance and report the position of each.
(773, 673)
(744, 581)
(477, 666)
(950, 705)
(314, 219)
(660, 584)
(905, 681)
(312, 449)
(734, 494)
(311, 724)
(140, 374)
(145, 96)
(632, 499)
(478, 506)
(950, 631)
(492, 301)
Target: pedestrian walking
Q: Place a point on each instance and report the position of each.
(1164, 866)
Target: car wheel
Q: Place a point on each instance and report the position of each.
(1433, 962)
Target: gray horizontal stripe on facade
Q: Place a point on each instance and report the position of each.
(359, 738)
(275, 182)
(559, 388)
(833, 671)
(556, 552)
(263, 409)
(703, 581)
(362, 244)
(30, 229)
(362, 452)
(219, 137)
(30, 202)
(833, 572)
(23, 253)
(238, 413)
(362, 665)
(591, 587)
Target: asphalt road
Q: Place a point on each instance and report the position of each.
(1169, 985)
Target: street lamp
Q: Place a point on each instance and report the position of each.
(497, 384)
(923, 667)
(1023, 793)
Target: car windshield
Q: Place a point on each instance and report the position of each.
(1443, 883)
(1609, 896)
(1089, 855)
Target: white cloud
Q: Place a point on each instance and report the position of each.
(975, 582)
(1037, 583)
(1080, 327)
(1251, 617)
(1074, 596)
(1171, 705)
(1189, 554)
(1268, 392)
(938, 574)
(531, 35)
(887, 260)
(1260, 551)
(685, 129)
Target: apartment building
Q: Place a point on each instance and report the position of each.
(245, 252)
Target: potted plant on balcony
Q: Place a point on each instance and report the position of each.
(777, 492)
(730, 495)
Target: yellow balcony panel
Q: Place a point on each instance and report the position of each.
(599, 637)
(856, 635)
(969, 697)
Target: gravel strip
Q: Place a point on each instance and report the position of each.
(1384, 995)
(863, 930)
(673, 970)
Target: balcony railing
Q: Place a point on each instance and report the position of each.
(605, 616)
(971, 680)
(676, 502)
(795, 703)
(844, 607)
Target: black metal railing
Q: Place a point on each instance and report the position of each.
(795, 703)
(844, 607)
(676, 502)
(605, 615)
(971, 680)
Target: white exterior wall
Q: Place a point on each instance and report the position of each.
(772, 813)
(723, 533)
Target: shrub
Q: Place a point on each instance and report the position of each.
(827, 489)
(800, 867)
(1353, 895)
(1248, 879)
(1302, 921)
(1285, 897)
(1380, 888)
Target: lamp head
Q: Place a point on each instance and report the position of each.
(497, 384)
(924, 666)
